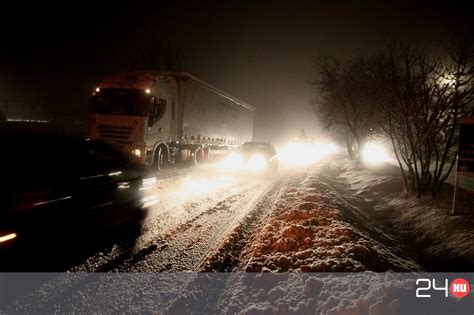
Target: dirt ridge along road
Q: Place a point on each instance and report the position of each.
(227, 256)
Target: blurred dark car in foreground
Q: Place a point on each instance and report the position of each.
(252, 157)
(60, 191)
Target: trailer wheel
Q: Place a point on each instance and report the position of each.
(161, 158)
(198, 156)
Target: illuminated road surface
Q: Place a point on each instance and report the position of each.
(199, 208)
(200, 211)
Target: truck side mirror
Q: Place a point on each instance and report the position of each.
(157, 110)
(151, 112)
(160, 109)
(151, 121)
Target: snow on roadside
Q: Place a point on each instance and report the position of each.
(445, 235)
(307, 232)
(428, 222)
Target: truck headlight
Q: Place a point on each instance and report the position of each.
(137, 152)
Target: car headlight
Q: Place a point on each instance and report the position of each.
(7, 237)
(149, 196)
(256, 163)
(148, 183)
(374, 153)
(233, 162)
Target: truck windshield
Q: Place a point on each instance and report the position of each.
(120, 102)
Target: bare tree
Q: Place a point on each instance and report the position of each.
(422, 100)
(454, 96)
(414, 99)
(342, 104)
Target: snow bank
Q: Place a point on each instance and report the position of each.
(432, 225)
(307, 231)
(427, 222)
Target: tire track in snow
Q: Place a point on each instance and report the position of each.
(159, 228)
(189, 249)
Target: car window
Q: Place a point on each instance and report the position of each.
(257, 146)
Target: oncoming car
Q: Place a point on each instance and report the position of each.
(254, 157)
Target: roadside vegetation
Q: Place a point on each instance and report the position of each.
(413, 99)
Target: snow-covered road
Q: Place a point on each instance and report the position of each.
(199, 210)
(331, 215)
(301, 217)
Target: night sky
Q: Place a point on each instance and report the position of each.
(259, 51)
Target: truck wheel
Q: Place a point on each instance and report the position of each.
(161, 158)
(198, 156)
